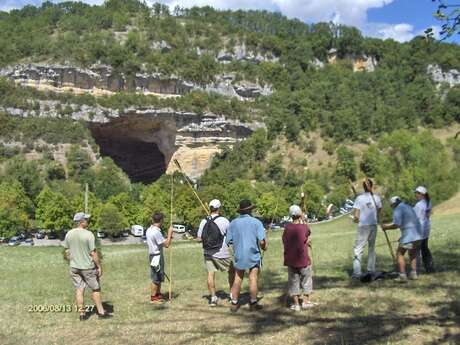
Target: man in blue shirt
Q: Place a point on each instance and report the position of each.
(247, 235)
(405, 219)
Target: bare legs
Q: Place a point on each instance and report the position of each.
(96, 297)
(253, 275)
(155, 289)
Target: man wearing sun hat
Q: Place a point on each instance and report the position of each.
(247, 235)
(216, 259)
(405, 219)
(85, 266)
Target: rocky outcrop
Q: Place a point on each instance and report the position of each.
(105, 80)
(364, 63)
(451, 77)
(143, 141)
(241, 53)
(360, 63)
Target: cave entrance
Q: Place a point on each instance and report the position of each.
(142, 161)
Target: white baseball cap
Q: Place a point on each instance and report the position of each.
(215, 204)
(421, 190)
(394, 200)
(295, 210)
(80, 216)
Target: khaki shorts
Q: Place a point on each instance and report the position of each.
(410, 245)
(85, 278)
(215, 264)
(300, 281)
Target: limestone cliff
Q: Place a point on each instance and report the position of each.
(103, 79)
(451, 77)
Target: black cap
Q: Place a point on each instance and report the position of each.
(246, 205)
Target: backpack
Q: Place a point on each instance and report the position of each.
(211, 236)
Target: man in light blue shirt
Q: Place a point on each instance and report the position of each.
(247, 235)
(405, 219)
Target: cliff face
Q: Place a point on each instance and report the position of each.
(143, 141)
(451, 77)
(105, 80)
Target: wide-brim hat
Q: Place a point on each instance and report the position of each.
(246, 205)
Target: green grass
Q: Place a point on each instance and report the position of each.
(421, 312)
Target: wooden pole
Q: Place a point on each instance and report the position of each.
(170, 247)
(369, 188)
(86, 198)
(191, 187)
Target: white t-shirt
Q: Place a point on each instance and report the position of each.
(155, 240)
(366, 207)
(423, 211)
(223, 225)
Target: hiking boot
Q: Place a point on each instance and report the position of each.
(84, 317)
(413, 275)
(295, 307)
(104, 316)
(213, 301)
(254, 306)
(234, 307)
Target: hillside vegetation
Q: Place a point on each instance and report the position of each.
(326, 124)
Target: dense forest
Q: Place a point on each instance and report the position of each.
(382, 111)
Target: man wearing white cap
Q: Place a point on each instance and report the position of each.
(423, 209)
(367, 208)
(405, 219)
(212, 232)
(85, 266)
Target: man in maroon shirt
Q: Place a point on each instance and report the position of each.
(296, 258)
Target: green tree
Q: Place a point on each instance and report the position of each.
(272, 206)
(78, 160)
(15, 208)
(111, 220)
(53, 210)
(346, 165)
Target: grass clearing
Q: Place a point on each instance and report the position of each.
(383, 312)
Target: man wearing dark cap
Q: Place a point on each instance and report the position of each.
(247, 235)
(85, 266)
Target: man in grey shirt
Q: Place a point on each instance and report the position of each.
(220, 260)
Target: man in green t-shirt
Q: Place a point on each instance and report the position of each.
(85, 266)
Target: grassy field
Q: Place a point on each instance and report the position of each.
(383, 312)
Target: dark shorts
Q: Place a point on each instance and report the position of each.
(157, 275)
(85, 278)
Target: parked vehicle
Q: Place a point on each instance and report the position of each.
(101, 234)
(40, 235)
(52, 235)
(137, 230)
(14, 241)
(179, 228)
(4, 239)
(125, 234)
(29, 242)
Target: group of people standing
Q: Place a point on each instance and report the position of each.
(413, 222)
(245, 235)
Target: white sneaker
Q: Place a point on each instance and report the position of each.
(308, 305)
(295, 307)
(402, 278)
(413, 275)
